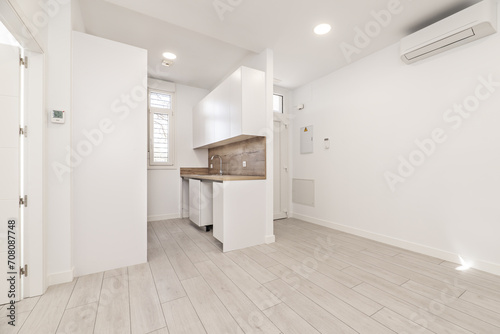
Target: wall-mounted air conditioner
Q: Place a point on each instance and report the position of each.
(470, 24)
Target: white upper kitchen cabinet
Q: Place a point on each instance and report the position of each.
(221, 113)
(235, 110)
(197, 126)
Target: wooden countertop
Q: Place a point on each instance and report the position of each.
(222, 178)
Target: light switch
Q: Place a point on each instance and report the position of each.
(211, 166)
(244, 164)
(326, 143)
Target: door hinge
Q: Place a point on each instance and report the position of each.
(24, 131)
(23, 201)
(23, 271)
(23, 61)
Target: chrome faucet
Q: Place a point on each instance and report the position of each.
(220, 162)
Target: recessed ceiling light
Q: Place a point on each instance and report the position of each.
(322, 29)
(169, 55)
(167, 63)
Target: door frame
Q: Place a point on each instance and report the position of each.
(285, 162)
(12, 16)
(12, 151)
(35, 172)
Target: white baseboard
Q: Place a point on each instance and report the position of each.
(163, 217)
(486, 266)
(61, 277)
(270, 239)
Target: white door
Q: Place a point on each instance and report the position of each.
(280, 150)
(10, 257)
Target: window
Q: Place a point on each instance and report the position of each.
(161, 129)
(278, 103)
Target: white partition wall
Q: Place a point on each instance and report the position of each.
(108, 155)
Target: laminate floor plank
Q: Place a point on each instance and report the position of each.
(351, 316)
(189, 248)
(422, 317)
(481, 301)
(213, 314)
(250, 286)
(463, 278)
(182, 318)
(146, 313)
(327, 256)
(321, 263)
(318, 317)
(115, 272)
(167, 283)
(183, 266)
(288, 321)
(87, 290)
(79, 319)
(45, 317)
(422, 277)
(22, 306)
(5, 328)
(171, 226)
(347, 295)
(113, 312)
(161, 232)
(324, 239)
(259, 257)
(153, 241)
(266, 249)
(261, 274)
(243, 310)
(369, 245)
(421, 257)
(456, 281)
(257, 293)
(459, 304)
(439, 306)
(163, 330)
(398, 323)
(394, 277)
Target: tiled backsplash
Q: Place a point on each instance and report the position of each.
(253, 151)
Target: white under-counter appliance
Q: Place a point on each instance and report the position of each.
(201, 202)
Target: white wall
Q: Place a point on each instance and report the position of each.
(373, 111)
(58, 191)
(108, 154)
(164, 185)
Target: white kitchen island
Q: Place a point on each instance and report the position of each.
(239, 209)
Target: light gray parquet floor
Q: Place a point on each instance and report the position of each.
(312, 280)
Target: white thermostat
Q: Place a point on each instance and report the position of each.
(57, 116)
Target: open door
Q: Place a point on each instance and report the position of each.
(10, 213)
(280, 150)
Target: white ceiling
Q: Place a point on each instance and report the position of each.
(209, 43)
